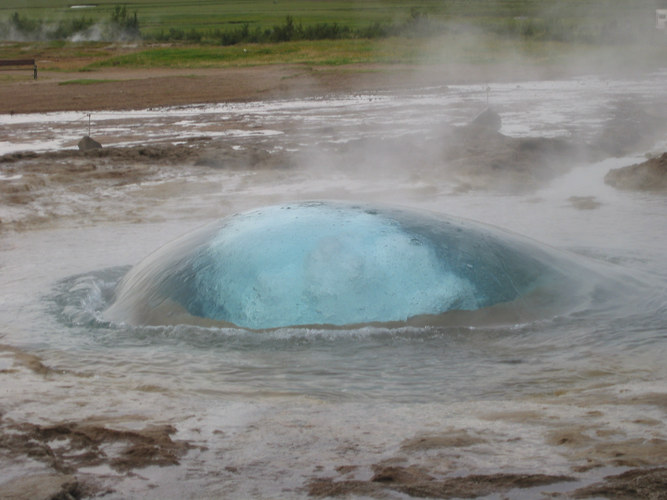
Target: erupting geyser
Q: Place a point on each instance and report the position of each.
(326, 263)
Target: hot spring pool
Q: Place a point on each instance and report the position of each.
(534, 355)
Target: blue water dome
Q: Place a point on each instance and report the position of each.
(329, 263)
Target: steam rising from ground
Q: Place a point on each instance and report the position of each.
(102, 31)
(119, 27)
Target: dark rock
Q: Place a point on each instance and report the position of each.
(415, 482)
(634, 483)
(41, 487)
(650, 175)
(488, 121)
(86, 144)
(511, 164)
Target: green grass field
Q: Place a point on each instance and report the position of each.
(472, 31)
(594, 15)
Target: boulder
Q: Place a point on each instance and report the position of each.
(488, 121)
(86, 144)
(650, 175)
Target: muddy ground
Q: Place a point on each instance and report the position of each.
(415, 482)
(122, 88)
(476, 160)
(469, 158)
(478, 156)
(421, 466)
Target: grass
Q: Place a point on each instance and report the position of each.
(528, 18)
(219, 13)
(477, 32)
(460, 48)
(332, 52)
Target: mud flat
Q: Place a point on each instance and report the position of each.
(561, 407)
(130, 88)
(416, 483)
(121, 89)
(487, 161)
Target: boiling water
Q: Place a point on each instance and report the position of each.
(340, 264)
(266, 412)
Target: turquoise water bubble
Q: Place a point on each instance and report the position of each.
(328, 263)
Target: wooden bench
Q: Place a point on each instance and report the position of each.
(10, 63)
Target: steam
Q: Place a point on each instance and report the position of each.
(120, 26)
(104, 31)
(549, 43)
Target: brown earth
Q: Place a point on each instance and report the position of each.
(417, 483)
(121, 88)
(650, 484)
(66, 447)
(118, 89)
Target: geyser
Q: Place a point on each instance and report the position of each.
(328, 263)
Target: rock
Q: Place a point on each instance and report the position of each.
(584, 202)
(634, 483)
(488, 121)
(491, 160)
(86, 144)
(648, 176)
(41, 487)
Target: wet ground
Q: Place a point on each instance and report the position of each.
(572, 405)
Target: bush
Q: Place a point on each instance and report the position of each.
(417, 25)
